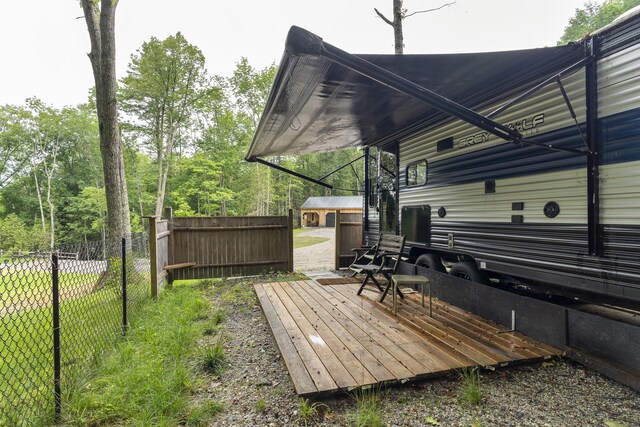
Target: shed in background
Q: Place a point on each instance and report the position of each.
(321, 211)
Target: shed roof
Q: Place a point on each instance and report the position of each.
(333, 202)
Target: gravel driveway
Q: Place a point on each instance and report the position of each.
(319, 257)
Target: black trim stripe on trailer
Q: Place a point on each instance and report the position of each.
(558, 252)
(619, 37)
(618, 143)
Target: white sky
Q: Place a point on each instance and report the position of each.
(44, 46)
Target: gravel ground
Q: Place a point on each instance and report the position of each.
(256, 390)
(318, 257)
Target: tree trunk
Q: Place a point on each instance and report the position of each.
(398, 16)
(163, 170)
(51, 214)
(397, 27)
(100, 19)
(39, 194)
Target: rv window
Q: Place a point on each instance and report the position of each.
(417, 173)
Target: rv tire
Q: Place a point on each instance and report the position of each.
(469, 271)
(431, 261)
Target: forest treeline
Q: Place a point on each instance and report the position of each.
(185, 135)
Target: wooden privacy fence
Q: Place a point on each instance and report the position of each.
(209, 247)
(348, 236)
(158, 251)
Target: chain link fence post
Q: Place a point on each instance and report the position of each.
(56, 334)
(124, 285)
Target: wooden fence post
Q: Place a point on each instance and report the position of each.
(153, 255)
(337, 245)
(168, 212)
(290, 239)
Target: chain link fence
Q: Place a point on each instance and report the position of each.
(59, 311)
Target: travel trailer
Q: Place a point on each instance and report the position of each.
(512, 168)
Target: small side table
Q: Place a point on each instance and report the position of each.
(407, 280)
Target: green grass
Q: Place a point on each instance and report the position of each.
(470, 390)
(146, 379)
(239, 294)
(201, 415)
(302, 241)
(261, 405)
(299, 230)
(307, 411)
(213, 359)
(88, 325)
(368, 408)
(16, 285)
(214, 323)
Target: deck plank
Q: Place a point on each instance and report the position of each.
(302, 381)
(375, 357)
(338, 363)
(443, 353)
(471, 346)
(332, 339)
(488, 327)
(315, 367)
(361, 364)
(481, 334)
(387, 335)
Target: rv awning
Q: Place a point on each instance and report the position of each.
(318, 104)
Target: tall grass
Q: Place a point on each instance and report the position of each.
(308, 411)
(470, 390)
(368, 408)
(146, 379)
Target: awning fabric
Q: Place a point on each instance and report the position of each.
(317, 105)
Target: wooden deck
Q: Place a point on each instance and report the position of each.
(333, 340)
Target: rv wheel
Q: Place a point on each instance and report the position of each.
(431, 261)
(468, 271)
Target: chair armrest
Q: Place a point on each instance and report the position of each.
(389, 253)
(363, 249)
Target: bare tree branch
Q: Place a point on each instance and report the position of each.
(428, 10)
(384, 18)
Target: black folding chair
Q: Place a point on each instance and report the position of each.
(383, 259)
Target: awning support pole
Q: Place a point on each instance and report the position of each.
(594, 231)
(567, 71)
(289, 171)
(402, 85)
(572, 112)
(339, 169)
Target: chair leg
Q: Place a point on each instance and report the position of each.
(363, 284)
(388, 277)
(386, 291)
(377, 283)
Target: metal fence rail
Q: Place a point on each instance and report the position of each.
(57, 316)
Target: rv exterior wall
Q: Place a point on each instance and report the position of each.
(542, 248)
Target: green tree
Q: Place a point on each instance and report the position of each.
(90, 209)
(100, 16)
(14, 155)
(251, 88)
(593, 16)
(14, 234)
(165, 87)
(197, 186)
